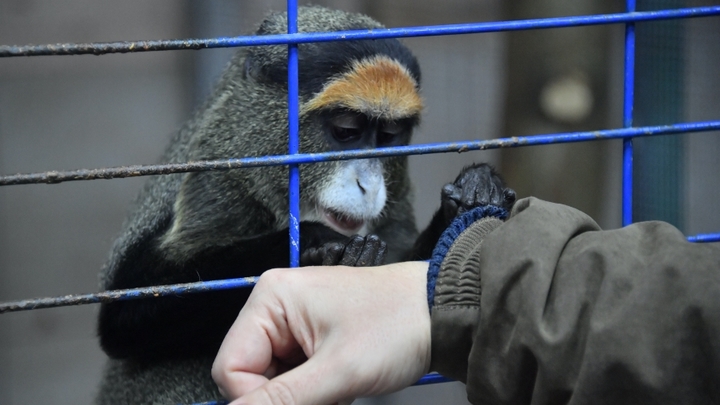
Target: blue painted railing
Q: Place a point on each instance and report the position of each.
(99, 48)
(293, 158)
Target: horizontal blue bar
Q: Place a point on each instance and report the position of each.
(173, 289)
(99, 48)
(432, 379)
(708, 237)
(127, 294)
(54, 177)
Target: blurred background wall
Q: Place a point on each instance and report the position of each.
(73, 112)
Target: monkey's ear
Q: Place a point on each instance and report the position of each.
(256, 68)
(250, 69)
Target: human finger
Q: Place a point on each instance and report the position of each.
(258, 346)
(320, 380)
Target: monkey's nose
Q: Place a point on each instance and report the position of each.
(362, 189)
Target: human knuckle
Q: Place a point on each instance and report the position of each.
(217, 372)
(271, 277)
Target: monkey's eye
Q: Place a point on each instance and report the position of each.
(389, 132)
(346, 128)
(342, 134)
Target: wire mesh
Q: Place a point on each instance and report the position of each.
(294, 158)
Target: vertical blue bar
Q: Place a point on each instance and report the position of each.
(628, 101)
(294, 142)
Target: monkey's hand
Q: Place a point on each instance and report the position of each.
(357, 251)
(477, 185)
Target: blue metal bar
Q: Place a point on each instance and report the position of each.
(432, 379)
(53, 177)
(294, 138)
(174, 289)
(127, 294)
(294, 158)
(627, 183)
(628, 103)
(100, 48)
(705, 238)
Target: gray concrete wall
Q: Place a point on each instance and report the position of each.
(73, 112)
(702, 151)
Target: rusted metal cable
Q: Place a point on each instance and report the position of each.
(53, 177)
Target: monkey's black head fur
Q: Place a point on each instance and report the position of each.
(322, 60)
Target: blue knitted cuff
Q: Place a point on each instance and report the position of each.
(458, 225)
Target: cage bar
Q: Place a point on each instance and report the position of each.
(101, 48)
(293, 137)
(628, 103)
(54, 177)
(178, 289)
(294, 158)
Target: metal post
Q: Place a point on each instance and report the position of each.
(294, 139)
(627, 183)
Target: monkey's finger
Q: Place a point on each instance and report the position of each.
(311, 257)
(499, 191)
(472, 185)
(490, 194)
(450, 196)
(370, 251)
(451, 191)
(352, 251)
(380, 255)
(509, 198)
(333, 254)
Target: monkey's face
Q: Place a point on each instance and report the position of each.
(354, 95)
(354, 193)
(374, 104)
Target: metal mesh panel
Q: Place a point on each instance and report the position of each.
(658, 113)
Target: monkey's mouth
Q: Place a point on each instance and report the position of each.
(342, 222)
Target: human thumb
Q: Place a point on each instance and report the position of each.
(317, 381)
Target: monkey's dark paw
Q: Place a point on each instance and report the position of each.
(326, 255)
(364, 251)
(477, 185)
(358, 251)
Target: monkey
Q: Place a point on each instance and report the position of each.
(214, 225)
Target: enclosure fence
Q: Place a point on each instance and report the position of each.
(293, 159)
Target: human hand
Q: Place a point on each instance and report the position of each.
(318, 335)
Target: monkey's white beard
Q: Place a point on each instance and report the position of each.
(354, 196)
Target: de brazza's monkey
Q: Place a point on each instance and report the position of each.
(227, 224)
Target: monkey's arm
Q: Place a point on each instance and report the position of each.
(476, 185)
(194, 323)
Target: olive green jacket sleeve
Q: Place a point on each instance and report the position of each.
(546, 308)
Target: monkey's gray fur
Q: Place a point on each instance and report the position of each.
(185, 213)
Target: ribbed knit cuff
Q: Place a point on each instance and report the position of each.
(457, 227)
(455, 305)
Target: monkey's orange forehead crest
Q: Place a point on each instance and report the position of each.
(377, 86)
